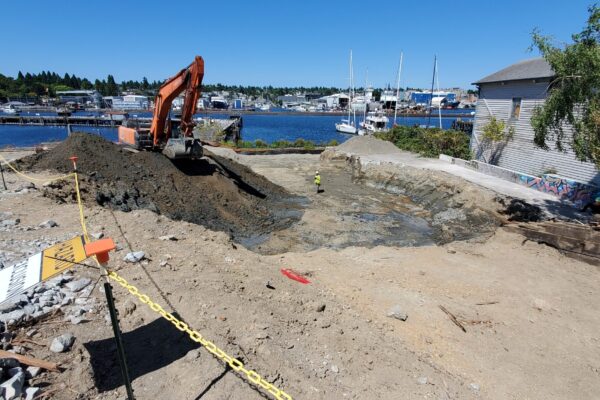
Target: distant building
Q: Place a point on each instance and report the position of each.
(128, 102)
(425, 97)
(510, 95)
(338, 100)
(80, 97)
(291, 99)
(238, 104)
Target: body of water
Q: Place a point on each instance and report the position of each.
(267, 127)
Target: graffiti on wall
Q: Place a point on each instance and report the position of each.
(579, 193)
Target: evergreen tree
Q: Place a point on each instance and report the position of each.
(111, 86)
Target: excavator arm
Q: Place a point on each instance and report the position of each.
(159, 137)
(188, 79)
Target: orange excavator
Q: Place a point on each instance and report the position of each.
(161, 136)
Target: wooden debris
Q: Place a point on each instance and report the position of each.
(32, 362)
(487, 303)
(577, 241)
(21, 341)
(453, 318)
(47, 393)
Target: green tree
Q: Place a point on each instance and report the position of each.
(86, 84)
(377, 94)
(111, 86)
(574, 95)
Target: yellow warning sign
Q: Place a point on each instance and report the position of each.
(17, 278)
(59, 257)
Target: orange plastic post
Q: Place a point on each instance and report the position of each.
(74, 160)
(100, 249)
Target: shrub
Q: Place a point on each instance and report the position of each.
(496, 131)
(429, 142)
(260, 143)
(333, 143)
(496, 135)
(299, 142)
(308, 145)
(246, 144)
(280, 144)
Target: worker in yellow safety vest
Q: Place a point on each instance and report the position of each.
(317, 181)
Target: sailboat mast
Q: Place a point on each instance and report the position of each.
(398, 87)
(437, 78)
(366, 104)
(350, 88)
(352, 94)
(431, 98)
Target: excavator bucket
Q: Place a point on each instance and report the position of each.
(183, 148)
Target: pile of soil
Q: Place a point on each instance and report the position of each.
(367, 145)
(215, 192)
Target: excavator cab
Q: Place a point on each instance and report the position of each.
(174, 138)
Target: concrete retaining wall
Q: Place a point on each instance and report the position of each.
(579, 194)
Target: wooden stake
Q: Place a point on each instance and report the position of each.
(33, 362)
(2, 173)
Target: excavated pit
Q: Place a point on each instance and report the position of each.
(215, 192)
(363, 205)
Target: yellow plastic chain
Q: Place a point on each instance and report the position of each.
(234, 363)
(31, 178)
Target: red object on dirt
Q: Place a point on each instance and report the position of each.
(293, 275)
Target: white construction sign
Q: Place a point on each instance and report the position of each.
(16, 279)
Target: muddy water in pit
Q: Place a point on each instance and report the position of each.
(348, 214)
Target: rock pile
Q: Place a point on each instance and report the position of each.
(15, 378)
(64, 292)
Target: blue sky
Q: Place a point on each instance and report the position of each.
(280, 43)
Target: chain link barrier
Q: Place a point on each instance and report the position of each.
(235, 364)
(31, 178)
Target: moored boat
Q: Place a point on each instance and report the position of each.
(374, 122)
(9, 109)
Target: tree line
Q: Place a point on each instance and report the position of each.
(47, 83)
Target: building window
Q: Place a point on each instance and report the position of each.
(516, 108)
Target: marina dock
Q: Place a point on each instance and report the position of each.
(59, 120)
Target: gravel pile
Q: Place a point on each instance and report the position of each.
(64, 292)
(367, 145)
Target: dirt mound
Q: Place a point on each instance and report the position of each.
(215, 192)
(368, 145)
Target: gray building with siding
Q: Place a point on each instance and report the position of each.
(510, 95)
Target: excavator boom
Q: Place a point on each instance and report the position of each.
(160, 137)
(188, 79)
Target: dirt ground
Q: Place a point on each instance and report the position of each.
(529, 312)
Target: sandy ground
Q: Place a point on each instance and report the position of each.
(529, 312)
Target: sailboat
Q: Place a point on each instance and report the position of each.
(431, 105)
(348, 125)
